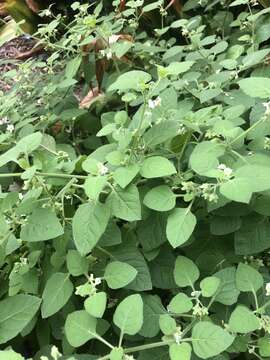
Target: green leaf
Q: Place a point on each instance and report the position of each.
(152, 309)
(176, 68)
(94, 185)
(125, 174)
(180, 226)
(209, 286)
(230, 189)
(157, 166)
(185, 272)
(160, 198)
(131, 80)
(248, 279)
(257, 87)
(264, 346)
(128, 315)
(80, 327)
(167, 324)
(89, 223)
(10, 355)
(95, 304)
(243, 320)
(76, 264)
(252, 239)
(210, 340)
(117, 354)
(180, 351)
(180, 304)
(227, 293)
(119, 274)
(56, 294)
(72, 67)
(160, 133)
(125, 203)
(204, 158)
(41, 225)
(15, 313)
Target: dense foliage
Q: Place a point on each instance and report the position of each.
(135, 177)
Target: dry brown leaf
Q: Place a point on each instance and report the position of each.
(92, 96)
(33, 5)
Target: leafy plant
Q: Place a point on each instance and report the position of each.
(134, 170)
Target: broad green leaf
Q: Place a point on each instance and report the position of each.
(180, 226)
(185, 272)
(264, 346)
(209, 340)
(167, 324)
(252, 239)
(80, 327)
(119, 274)
(128, 315)
(26, 145)
(117, 354)
(125, 174)
(230, 189)
(161, 133)
(89, 223)
(248, 279)
(204, 158)
(227, 292)
(223, 225)
(180, 351)
(15, 313)
(95, 304)
(255, 57)
(94, 185)
(257, 176)
(160, 198)
(10, 355)
(125, 203)
(56, 294)
(243, 320)
(209, 286)
(41, 225)
(72, 67)
(257, 87)
(77, 265)
(152, 309)
(111, 236)
(157, 166)
(131, 80)
(176, 68)
(180, 304)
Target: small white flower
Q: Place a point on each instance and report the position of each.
(55, 353)
(267, 288)
(109, 55)
(267, 108)
(97, 281)
(10, 128)
(221, 167)
(154, 103)
(4, 121)
(102, 169)
(228, 171)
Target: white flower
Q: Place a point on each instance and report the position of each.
(102, 169)
(267, 108)
(55, 353)
(154, 103)
(226, 170)
(267, 288)
(4, 121)
(10, 128)
(109, 55)
(97, 281)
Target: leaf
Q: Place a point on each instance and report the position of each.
(230, 189)
(227, 293)
(176, 68)
(76, 264)
(167, 324)
(243, 320)
(124, 175)
(119, 274)
(180, 226)
(41, 225)
(152, 231)
(128, 315)
(248, 279)
(160, 198)
(152, 309)
(80, 327)
(209, 286)
(210, 340)
(264, 346)
(160, 133)
(180, 351)
(125, 203)
(131, 80)
(117, 354)
(255, 58)
(10, 355)
(72, 67)
(93, 186)
(186, 272)
(252, 239)
(95, 304)
(157, 166)
(180, 304)
(257, 87)
(92, 96)
(15, 313)
(204, 158)
(56, 294)
(89, 223)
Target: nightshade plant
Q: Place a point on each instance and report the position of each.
(135, 177)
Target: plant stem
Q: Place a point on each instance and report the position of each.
(247, 131)
(56, 175)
